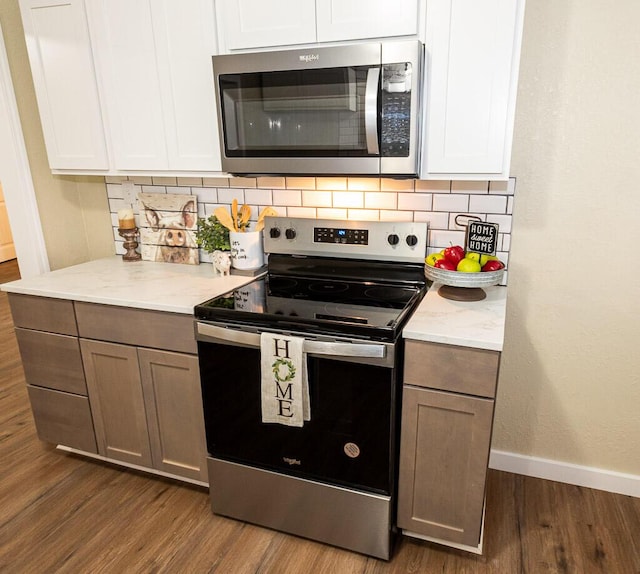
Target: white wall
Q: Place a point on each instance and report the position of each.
(569, 388)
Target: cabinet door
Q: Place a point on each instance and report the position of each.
(444, 454)
(115, 395)
(125, 55)
(260, 23)
(473, 50)
(358, 19)
(64, 77)
(171, 385)
(185, 41)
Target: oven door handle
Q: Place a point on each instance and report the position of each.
(213, 333)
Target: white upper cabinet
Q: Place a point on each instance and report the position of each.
(473, 53)
(63, 72)
(262, 23)
(153, 59)
(247, 24)
(360, 19)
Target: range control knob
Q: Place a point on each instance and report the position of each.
(411, 240)
(290, 233)
(274, 233)
(393, 239)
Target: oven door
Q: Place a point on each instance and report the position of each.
(350, 439)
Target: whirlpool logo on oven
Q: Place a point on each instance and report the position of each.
(292, 461)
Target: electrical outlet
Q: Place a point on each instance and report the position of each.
(129, 192)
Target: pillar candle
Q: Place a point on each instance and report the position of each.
(126, 219)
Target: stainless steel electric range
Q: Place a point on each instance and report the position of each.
(346, 289)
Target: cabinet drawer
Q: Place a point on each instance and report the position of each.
(52, 361)
(43, 314)
(450, 368)
(62, 418)
(139, 327)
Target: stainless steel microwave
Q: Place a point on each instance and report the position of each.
(332, 110)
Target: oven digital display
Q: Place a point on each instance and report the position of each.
(341, 235)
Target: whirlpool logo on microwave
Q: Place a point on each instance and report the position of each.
(309, 58)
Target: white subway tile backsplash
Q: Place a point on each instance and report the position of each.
(504, 221)
(365, 199)
(272, 182)
(353, 199)
(450, 202)
(480, 187)
(441, 239)
(364, 214)
(300, 182)
(114, 190)
(415, 201)
(389, 184)
(300, 212)
(388, 215)
(259, 196)
(331, 183)
(227, 195)
(313, 198)
(291, 197)
(437, 186)
(363, 184)
(207, 195)
(329, 213)
(436, 219)
(380, 200)
(243, 182)
(488, 203)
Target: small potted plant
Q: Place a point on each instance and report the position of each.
(213, 237)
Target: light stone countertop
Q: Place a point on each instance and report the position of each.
(168, 287)
(478, 324)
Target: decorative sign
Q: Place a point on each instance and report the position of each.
(168, 226)
(482, 237)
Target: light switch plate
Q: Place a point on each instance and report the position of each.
(129, 192)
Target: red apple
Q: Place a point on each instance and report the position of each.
(493, 265)
(445, 264)
(454, 254)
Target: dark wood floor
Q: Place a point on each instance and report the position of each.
(63, 513)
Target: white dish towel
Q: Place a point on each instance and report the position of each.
(285, 386)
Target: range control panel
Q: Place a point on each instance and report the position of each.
(341, 235)
(379, 240)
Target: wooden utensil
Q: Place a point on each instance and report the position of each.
(234, 213)
(223, 217)
(245, 214)
(266, 211)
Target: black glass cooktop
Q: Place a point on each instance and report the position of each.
(368, 300)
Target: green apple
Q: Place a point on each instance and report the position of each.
(431, 259)
(473, 256)
(467, 265)
(484, 258)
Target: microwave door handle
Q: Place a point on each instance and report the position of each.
(215, 334)
(371, 110)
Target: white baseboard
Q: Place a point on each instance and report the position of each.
(589, 477)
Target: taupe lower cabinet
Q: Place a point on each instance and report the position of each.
(447, 419)
(147, 408)
(120, 382)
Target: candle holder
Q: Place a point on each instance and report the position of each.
(130, 243)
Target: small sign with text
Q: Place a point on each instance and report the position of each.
(482, 237)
